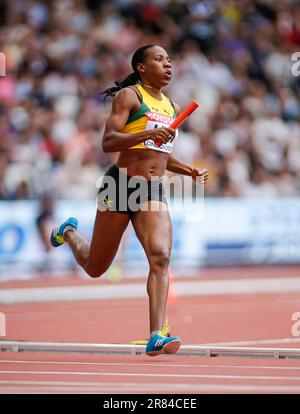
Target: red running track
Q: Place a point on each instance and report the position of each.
(196, 319)
(56, 373)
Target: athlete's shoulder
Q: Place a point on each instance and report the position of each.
(126, 97)
(126, 93)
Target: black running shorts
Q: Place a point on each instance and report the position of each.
(125, 194)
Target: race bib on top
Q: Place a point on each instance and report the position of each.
(157, 120)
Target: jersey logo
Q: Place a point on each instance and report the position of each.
(107, 202)
(155, 116)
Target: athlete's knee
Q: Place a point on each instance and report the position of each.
(159, 258)
(94, 271)
(94, 274)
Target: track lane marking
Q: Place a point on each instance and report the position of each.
(122, 374)
(115, 387)
(137, 290)
(254, 342)
(146, 364)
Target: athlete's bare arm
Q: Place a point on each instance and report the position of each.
(177, 166)
(124, 103)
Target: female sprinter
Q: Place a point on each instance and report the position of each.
(139, 119)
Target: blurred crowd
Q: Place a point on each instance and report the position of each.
(234, 57)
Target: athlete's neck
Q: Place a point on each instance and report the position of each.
(156, 93)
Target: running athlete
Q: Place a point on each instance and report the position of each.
(137, 128)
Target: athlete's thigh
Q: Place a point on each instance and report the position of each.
(108, 230)
(154, 231)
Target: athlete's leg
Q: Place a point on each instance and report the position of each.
(96, 257)
(154, 231)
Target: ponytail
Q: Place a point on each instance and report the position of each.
(132, 79)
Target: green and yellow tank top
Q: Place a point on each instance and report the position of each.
(152, 114)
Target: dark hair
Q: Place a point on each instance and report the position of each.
(138, 57)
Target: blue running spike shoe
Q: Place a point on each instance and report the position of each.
(160, 344)
(56, 237)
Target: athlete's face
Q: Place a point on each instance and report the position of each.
(157, 68)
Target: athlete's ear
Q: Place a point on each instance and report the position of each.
(140, 67)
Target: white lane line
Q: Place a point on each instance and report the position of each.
(40, 386)
(137, 290)
(103, 385)
(255, 342)
(78, 383)
(122, 374)
(13, 390)
(146, 364)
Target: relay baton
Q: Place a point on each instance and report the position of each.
(181, 118)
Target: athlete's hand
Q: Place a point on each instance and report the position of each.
(203, 172)
(162, 135)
